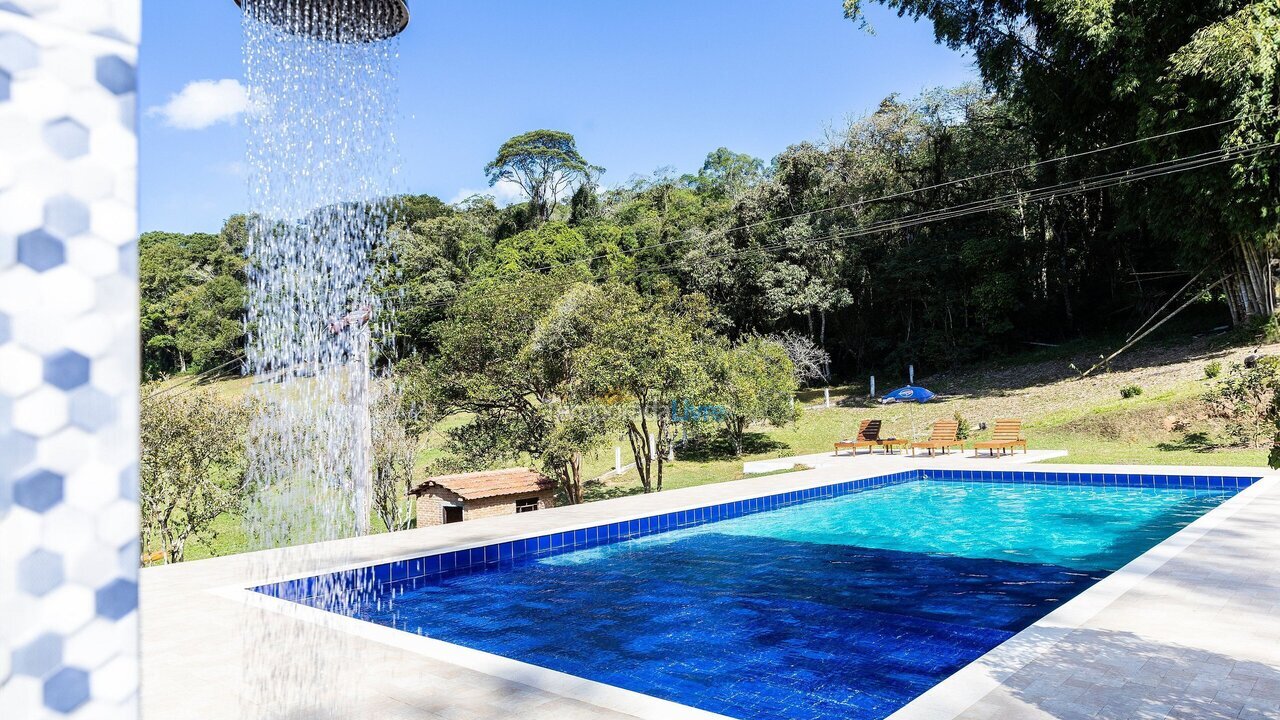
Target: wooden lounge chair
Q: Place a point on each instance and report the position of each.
(868, 437)
(1006, 437)
(943, 437)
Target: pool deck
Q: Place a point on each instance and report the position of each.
(1189, 630)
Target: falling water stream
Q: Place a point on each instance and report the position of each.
(322, 160)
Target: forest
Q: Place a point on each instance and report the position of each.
(1116, 161)
(819, 239)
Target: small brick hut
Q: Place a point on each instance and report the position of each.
(469, 496)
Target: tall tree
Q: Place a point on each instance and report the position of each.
(546, 165)
(727, 174)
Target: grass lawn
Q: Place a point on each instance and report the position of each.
(1086, 417)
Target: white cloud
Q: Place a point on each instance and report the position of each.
(204, 103)
(504, 193)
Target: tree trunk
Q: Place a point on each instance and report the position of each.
(638, 436)
(1251, 289)
(575, 478)
(663, 444)
(822, 343)
(736, 426)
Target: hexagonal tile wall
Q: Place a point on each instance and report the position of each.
(68, 414)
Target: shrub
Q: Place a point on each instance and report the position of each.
(1130, 391)
(1246, 398)
(1212, 370)
(963, 428)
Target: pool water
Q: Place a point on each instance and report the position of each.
(840, 608)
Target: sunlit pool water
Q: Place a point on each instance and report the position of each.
(839, 608)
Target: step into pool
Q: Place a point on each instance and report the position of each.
(845, 601)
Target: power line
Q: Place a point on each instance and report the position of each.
(239, 356)
(893, 196)
(1036, 195)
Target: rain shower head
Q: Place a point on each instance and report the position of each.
(341, 21)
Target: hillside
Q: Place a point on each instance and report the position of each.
(1087, 417)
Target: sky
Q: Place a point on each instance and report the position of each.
(642, 85)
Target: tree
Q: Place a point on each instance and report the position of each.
(545, 164)
(395, 442)
(727, 174)
(649, 353)
(429, 261)
(192, 465)
(1236, 63)
(754, 381)
(506, 358)
(192, 299)
(1090, 74)
(808, 361)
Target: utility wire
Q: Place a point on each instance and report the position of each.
(1008, 200)
(905, 193)
(1037, 195)
(239, 357)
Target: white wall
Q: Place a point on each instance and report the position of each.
(68, 359)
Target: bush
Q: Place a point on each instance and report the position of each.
(1212, 370)
(963, 428)
(1130, 391)
(1246, 398)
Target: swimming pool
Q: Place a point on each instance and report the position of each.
(842, 601)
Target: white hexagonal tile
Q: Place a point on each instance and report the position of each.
(118, 523)
(20, 532)
(92, 645)
(115, 681)
(93, 567)
(65, 450)
(21, 692)
(40, 412)
(90, 336)
(95, 182)
(21, 283)
(63, 529)
(92, 256)
(66, 291)
(67, 609)
(114, 220)
(15, 605)
(23, 371)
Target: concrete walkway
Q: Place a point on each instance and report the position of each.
(1214, 605)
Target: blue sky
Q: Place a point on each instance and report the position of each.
(642, 85)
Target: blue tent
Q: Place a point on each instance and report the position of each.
(910, 393)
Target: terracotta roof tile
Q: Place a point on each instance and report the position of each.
(487, 484)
